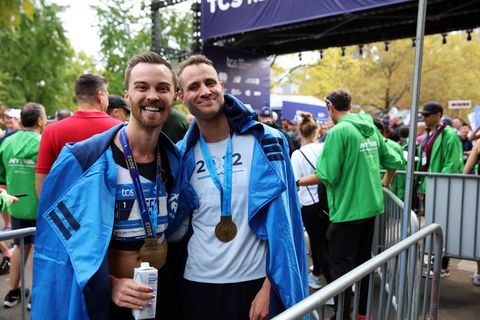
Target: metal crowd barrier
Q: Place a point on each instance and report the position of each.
(20, 234)
(388, 226)
(452, 201)
(421, 297)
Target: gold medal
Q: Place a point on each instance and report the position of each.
(226, 230)
(153, 252)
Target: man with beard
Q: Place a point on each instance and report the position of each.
(246, 252)
(92, 97)
(105, 208)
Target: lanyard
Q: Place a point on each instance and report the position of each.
(226, 191)
(149, 218)
(437, 132)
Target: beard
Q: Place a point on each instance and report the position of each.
(150, 114)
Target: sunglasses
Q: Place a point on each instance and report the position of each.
(327, 101)
(426, 115)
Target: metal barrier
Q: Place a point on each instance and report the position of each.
(418, 301)
(452, 201)
(388, 226)
(20, 234)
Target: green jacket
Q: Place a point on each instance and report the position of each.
(18, 157)
(398, 182)
(349, 167)
(447, 154)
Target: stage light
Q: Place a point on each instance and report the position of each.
(469, 34)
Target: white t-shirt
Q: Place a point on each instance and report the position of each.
(301, 168)
(209, 259)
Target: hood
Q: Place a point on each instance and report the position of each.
(239, 115)
(362, 121)
(22, 148)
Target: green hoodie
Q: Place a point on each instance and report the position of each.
(349, 167)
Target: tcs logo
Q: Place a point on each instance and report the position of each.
(128, 193)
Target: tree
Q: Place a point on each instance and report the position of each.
(37, 62)
(11, 12)
(125, 30)
(383, 79)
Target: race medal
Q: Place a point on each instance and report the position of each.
(153, 252)
(226, 230)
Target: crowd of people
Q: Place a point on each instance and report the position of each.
(217, 200)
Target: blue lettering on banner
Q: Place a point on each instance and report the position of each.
(227, 17)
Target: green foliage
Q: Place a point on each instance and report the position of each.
(11, 12)
(125, 31)
(37, 62)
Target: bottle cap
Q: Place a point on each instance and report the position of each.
(144, 265)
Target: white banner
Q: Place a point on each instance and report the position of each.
(459, 104)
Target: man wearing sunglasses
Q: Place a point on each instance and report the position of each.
(440, 151)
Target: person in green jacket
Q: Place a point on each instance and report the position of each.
(440, 152)
(441, 149)
(398, 182)
(349, 167)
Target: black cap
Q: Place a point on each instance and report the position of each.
(431, 108)
(115, 101)
(265, 112)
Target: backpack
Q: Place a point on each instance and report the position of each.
(321, 191)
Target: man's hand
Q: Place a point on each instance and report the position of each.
(259, 307)
(129, 294)
(11, 199)
(387, 179)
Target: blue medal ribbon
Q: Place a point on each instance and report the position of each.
(226, 190)
(149, 217)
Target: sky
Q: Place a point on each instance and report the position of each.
(79, 19)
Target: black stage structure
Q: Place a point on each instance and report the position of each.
(390, 22)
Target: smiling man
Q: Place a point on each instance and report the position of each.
(246, 254)
(105, 208)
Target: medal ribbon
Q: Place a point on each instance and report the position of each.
(149, 219)
(226, 190)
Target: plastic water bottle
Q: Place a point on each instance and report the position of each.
(148, 276)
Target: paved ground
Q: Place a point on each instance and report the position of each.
(15, 312)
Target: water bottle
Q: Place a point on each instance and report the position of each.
(148, 276)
